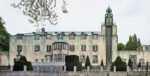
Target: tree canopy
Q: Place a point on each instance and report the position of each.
(132, 44)
(4, 37)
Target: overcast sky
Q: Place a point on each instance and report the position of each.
(131, 16)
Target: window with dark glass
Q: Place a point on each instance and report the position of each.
(19, 48)
(37, 48)
(72, 47)
(95, 47)
(48, 48)
(83, 47)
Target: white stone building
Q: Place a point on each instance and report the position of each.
(50, 48)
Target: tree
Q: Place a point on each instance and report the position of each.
(102, 64)
(39, 11)
(130, 64)
(87, 62)
(4, 37)
(19, 65)
(139, 43)
(133, 43)
(71, 61)
(139, 65)
(120, 65)
(120, 46)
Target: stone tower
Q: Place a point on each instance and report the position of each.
(110, 37)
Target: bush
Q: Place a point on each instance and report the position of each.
(120, 65)
(71, 61)
(19, 65)
(87, 62)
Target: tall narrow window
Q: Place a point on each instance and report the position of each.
(48, 48)
(37, 48)
(83, 47)
(95, 48)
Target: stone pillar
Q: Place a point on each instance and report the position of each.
(101, 68)
(127, 68)
(11, 68)
(75, 69)
(64, 68)
(24, 68)
(114, 68)
(88, 68)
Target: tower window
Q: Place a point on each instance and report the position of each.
(37, 48)
(83, 47)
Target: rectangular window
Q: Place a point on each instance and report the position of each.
(19, 48)
(72, 47)
(82, 58)
(36, 37)
(37, 48)
(83, 47)
(48, 48)
(95, 47)
(95, 59)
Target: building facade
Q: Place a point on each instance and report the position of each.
(51, 47)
